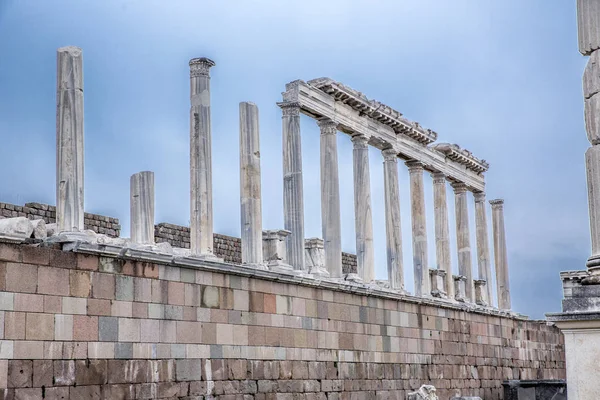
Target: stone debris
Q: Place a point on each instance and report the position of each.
(39, 229)
(19, 227)
(425, 392)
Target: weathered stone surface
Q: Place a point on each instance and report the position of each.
(484, 265)
(39, 229)
(315, 257)
(393, 225)
(442, 230)
(425, 392)
(463, 239)
(419, 228)
(500, 254)
(588, 25)
(19, 227)
(142, 207)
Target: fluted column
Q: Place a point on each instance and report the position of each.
(142, 207)
(419, 228)
(484, 266)
(442, 235)
(201, 213)
(463, 239)
(250, 189)
(330, 198)
(293, 195)
(500, 254)
(69, 140)
(365, 257)
(393, 227)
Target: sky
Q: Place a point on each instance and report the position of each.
(500, 78)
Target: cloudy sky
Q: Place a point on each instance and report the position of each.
(500, 78)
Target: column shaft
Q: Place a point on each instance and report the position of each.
(142, 207)
(365, 257)
(201, 213)
(393, 227)
(500, 254)
(442, 229)
(463, 240)
(330, 199)
(293, 194)
(69, 140)
(419, 228)
(250, 188)
(483, 249)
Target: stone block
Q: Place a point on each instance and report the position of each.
(103, 286)
(98, 307)
(28, 302)
(88, 262)
(149, 331)
(80, 283)
(20, 374)
(21, 278)
(14, 325)
(85, 328)
(124, 350)
(129, 330)
(86, 392)
(176, 293)
(57, 393)
(121, 308)
(53, 281)
(91, 372)
(124, 288)
(237, 369)
(7, 301)
(74, 305)
(28, 394)
(43, 373)
(210, 297)
(39, 326)
(189, 370)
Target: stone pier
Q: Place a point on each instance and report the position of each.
(69, 140)
(500, 254)
(419, 228)
(463, 239)
(142, 207)
(250, 187)
(484, 267)
(442, 235)
(393, 226)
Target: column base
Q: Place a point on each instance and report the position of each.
(319, 272)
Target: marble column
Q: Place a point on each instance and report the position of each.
(484, 266)
(330, 199)
(463, 238)
(442, 235)
(142, 207)
(250, 189)
(293, 194)
(365, 256)
(500, 254)
(201, 213)
(69, 140)
(419, 228)
(393, 227)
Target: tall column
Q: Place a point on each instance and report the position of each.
(250, 192)
(500, 254)
(330, 198)
(442, 235)
(201, 213)
(484, 266)
(393, 227)
(69, 140)
(365, 257)
(419, 228)
(293, 194)
(463, 238)
(142, 207)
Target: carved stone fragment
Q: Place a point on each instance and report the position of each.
(425, 392)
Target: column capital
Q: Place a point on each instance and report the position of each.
(459, 187)
(289, 108)
(438, 177)
(360, 141)
(390, 154)
(200, 66)
(497, 203)
(479, 197)
(328, 127)
(414, 166)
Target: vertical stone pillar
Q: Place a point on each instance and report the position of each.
(500, 254)
(330, 198)
(463, 241)
(69, 140)
(442, 235)
(250, 191)
(201, 213)
(142, 207)
(365, 257)
(293, 195)
(419, 228)
(393, 226)
(483, 249)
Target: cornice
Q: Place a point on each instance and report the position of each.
(462, 156)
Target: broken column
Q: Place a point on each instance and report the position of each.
(393, 227)
(419, 228)
(365, 256)
(250, 192)
(293, 195)
(315, 257)
(274, 250)
(442, 235)
(201, 211)
(142, 207)
(500, 254)
(69, 140)
(484, 266)
(463, 238)
(330, 199)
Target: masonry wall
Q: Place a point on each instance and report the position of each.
(88, 327)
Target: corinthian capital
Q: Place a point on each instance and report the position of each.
(390, 155)
(290, 108)
(200, 66)
(328, 127)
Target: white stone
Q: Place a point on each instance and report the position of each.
(484, 265)
(393, 226)
(460, 288)
(442, 230)
(425, 392)
(500, 255)
(419, 228)
(274, 250)
(588, 26)
(463, 238)
(315, 257)
(51, 229)
(18, 227)
(39, 229)
(142, 207)
(481, 294)
(438, 282)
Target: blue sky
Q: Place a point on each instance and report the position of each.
(502, 79)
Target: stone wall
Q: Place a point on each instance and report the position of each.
(89, 326)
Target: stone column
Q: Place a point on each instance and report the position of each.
(250, 191)
(419, 228)
(393, 226)
(463, 238)
(293, 195)
(442, 235)
(69, 140)
(365, 257)
(201, 213)
(483, 249)
(330, 198)
(142, 207)
(500, 254)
